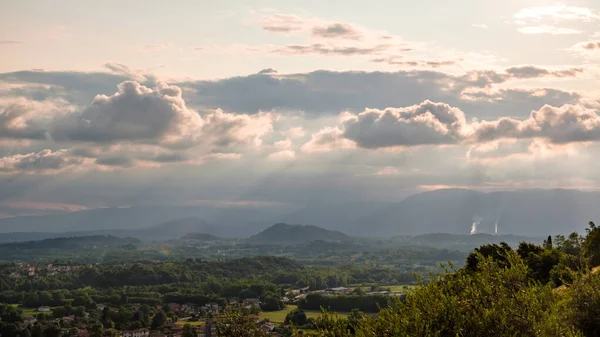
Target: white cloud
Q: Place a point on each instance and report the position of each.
(428, 123)
(21, 118)
(557, 13)
(135, 113)
(545, 29)
(480, 25)
(327, 139)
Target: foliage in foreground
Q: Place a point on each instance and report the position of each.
(500, 292)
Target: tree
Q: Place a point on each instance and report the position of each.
(59, 312)
(296, 317)
(189, 331)
(159, 320)
(548, 242)
(271, 302)
(36, 330)
(97, 330)
(590, 247)
(234, 323)
(52, 330)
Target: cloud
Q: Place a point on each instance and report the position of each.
(282, 155)
(267, 71)
(480, 25)
(533, 72)
(337, 31)
(43, 161)
(295, 132)
(114, 160)
(135, 113)
(558, 125)
(557, 13)
(431, 123)
(589, 49)
(428, 123)
(8, 42)
(282, 23)
(594, 45)
(227, 131)
(327, 139)
(124, 70)
(324, 92)
(546, 29)
(322, 49)
(21, 118)
(46, 206)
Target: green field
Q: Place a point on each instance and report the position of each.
(396, 288)
(196, 323)
(279, 316)
(30, 311)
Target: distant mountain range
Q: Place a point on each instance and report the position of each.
(526, 212)
(293, 234)
(535, 213)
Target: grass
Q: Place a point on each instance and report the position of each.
(278, 317)
(30, 311)
(396, 288)
(196, 323)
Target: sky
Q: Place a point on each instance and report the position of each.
(259, 103)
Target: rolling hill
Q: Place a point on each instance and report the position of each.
(292, 234)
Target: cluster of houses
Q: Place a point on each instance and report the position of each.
(301, 293)
(27, 270)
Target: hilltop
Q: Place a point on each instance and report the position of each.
(282, 233)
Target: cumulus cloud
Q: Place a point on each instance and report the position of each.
(225, 130)
(425, 124)
(43, 161)
(327, 139)
(559, 125)
(21, 118)
(432, 123)
(135, 113)
(124, 70)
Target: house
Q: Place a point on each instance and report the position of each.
(211, 307)
(175, 307)
(249, 302)
(136, 333)
(43, 309)
(268, 326)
